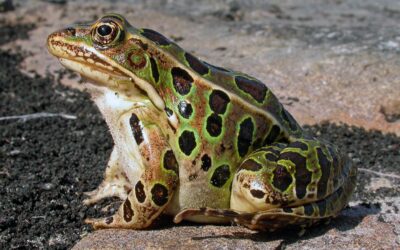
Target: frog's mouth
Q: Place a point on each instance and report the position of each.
(96, 75)
(98, 68)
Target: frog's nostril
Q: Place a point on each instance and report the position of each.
(70, 31)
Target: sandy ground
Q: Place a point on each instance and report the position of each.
(334, 62)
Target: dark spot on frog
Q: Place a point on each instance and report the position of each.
(271, 157)
(222, 148)
(192, 177)
(169, 112)
(196, 64)
(289, 119)
(257, 193)
(139, 42)
(308, 210)
(252, 87)
(170, 162)
(185, 109)
(325, 166)
(273, 134)
(322, 207)
(287, 210)
(230, 213)
(257, 143)
(220, 176)
(154, 70)
(128, 212)
(282, 178)
(218, 101)
(136, 128)
(159, 194)
(337, 166)
(182, 80)
(302, 174)
(214, 125)
(187, 142)
(109, 220)
(298, 144)
(245, 137)
(139, 192)
(155, 37)
(251, 165)
(205, 162)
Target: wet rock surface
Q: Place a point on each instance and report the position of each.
(341, 70)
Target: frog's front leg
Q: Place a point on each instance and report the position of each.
(115, 182)
(153, 188)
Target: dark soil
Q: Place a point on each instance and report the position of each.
(47, 163)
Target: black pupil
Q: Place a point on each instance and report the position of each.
(104, 30)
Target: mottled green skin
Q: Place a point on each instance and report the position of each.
(228, 132)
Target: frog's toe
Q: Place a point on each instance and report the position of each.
(98, 223)
(206, 211)
(104, 191)
(91, 197)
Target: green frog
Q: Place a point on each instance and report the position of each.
(197, 141)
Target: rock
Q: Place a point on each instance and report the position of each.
(187, 237)
(357, 228)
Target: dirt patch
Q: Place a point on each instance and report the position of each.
(12, 32)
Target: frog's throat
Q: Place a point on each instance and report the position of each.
(104, 71)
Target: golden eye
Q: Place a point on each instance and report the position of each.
(106, 33)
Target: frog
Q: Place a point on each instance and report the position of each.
(195, 141)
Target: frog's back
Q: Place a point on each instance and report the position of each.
(241, 88)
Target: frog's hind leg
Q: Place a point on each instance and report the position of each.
(298, 183)
(115, 183)
(264, 221)
(301, 216)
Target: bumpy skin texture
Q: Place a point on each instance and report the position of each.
(195, 140)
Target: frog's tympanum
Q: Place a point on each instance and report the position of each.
(197, 141)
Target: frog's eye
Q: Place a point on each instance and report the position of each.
(104, 30)
(106, 33)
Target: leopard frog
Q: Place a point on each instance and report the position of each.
(197, 141)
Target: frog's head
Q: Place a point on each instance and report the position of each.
(110, 53)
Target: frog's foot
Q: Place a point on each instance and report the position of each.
(98, 223)
(115, 221)
(115, 183)
(113, 189)
(132, 214)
